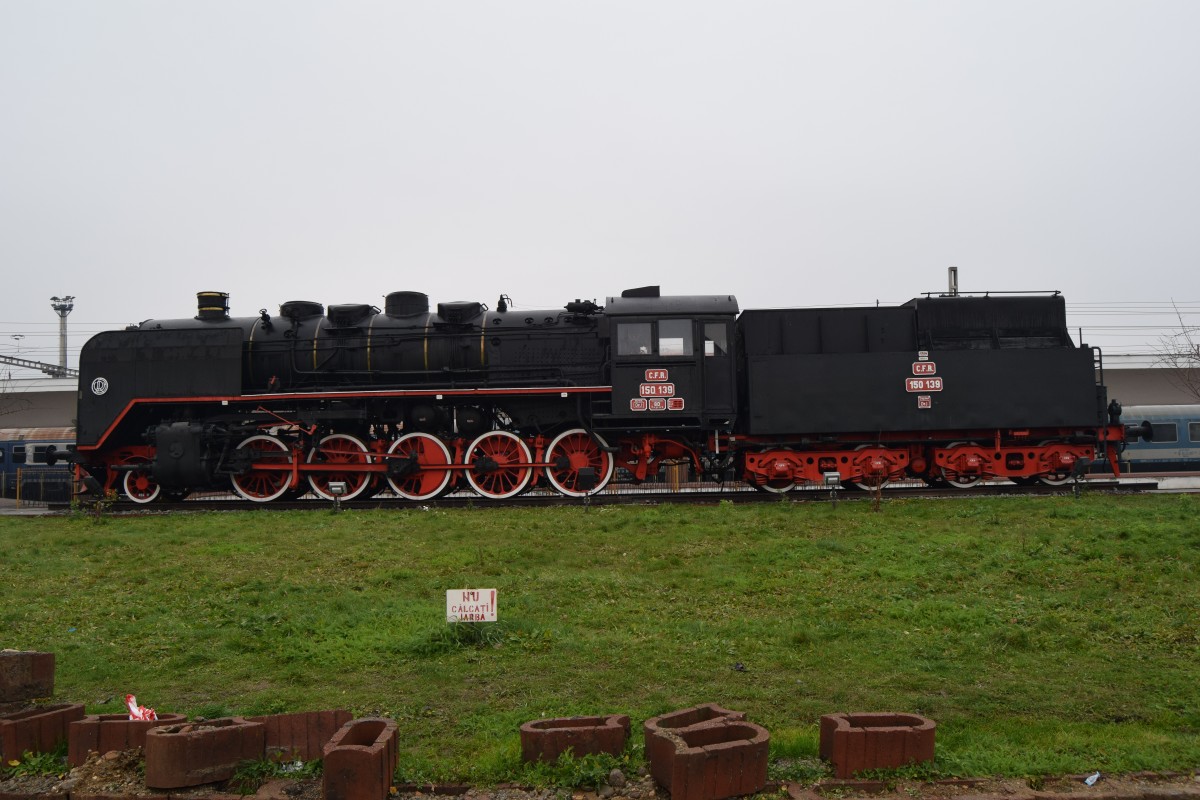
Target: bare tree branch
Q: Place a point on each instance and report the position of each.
(1179, 354)
(10, 402)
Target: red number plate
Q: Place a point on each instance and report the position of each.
(923, 384)
(657, 390)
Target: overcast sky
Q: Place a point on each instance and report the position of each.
(788, 153)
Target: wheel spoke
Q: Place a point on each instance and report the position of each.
(573, 451)
(952, 476)
(263, 485)
(337, 451)
(140, 486)
(499, 463)
(419, 455)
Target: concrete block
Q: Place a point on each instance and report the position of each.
(547, 739)
(38, 730)
(660, 747)
(196, 753)
(719, 758)
(102, 733)
(360, 760)
(300, 736)
(857, 742)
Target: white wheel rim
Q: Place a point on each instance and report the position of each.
(398, 488)
(1051, 480)
(524, 454)
(960, 483)
(865, 482)
(766, 487)
(315, 480)
(283, 449)
(1057, 479)
(133, 494)
(601, 480)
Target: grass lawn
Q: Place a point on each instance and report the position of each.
(1044, 635)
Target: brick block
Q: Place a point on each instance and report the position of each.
(719, 758)
(101, 733)
(196, 753)
(547, 739)
(38, 730)
(857, 742)
(660, 748)
(360, 760)
(300, 736)
(25, 675)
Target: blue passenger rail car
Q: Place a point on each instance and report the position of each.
(33, 463)
(1175, 444)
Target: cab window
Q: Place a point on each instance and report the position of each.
(716, 339)
(675, 337)
(668, 337)
(633, 339)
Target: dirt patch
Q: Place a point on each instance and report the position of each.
(123, 774)
(1145, 786)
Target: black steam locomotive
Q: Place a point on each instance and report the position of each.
(348, 400)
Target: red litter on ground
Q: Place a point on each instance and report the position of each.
(138, 712)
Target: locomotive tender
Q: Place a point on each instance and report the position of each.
(350, 400)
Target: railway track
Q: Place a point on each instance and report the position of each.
(690, 494)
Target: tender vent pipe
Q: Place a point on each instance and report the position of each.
(953, 276)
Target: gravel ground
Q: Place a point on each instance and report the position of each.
(121, 774)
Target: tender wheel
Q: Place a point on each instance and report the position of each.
(495, 459)
(1053, 478)
(957, 479)
(428, 457)
(868, 483)
(140, 486)
(777, 486)
(260, 484)
(572, 451)
(340, 452)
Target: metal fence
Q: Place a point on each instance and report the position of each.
(36, 486)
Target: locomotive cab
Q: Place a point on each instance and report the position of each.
(672, 363)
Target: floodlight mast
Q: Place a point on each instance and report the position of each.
(62, 306)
